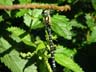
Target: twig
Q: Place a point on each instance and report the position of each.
(33, 6)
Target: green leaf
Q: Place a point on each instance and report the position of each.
(92, 37)
(27, 40)
(6, 2)
(36, 13)
(31, 68)
(20, 35)
(36, 24)
(15, 63)
(11, 58)
(4, 45)
(15, 38)
(64, 57)
(63, 50)
(67, 62)
(8, 12)
(61, 25)
(32, 19)
(89, 21)
(41, 45)
(16, 32)
(21, 12)
(24, 1)
(94, 4)
(74, 23)
(1, 18)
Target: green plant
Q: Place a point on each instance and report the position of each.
(23, 45)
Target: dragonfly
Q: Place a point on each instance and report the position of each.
(47, 22)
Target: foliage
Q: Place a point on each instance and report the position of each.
(23, 41)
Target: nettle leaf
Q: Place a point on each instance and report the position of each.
(11, 58)
(40, 44)
(92, 37)
(6, 2)
(24, 1)
(89, 21)
(74, 23)
(32, 19)
(63, 50)
(31, 68)
(4, 45)
(63, 58)
(20, 35)
(16, 32)
(67, 62)
(16, 64)
(21, 12)
(61, 25)
(27, 40)
(1, 18)
(94, 4)
(36, 12)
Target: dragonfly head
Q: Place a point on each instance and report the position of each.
(46, 13)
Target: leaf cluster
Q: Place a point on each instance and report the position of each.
(23, 39)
